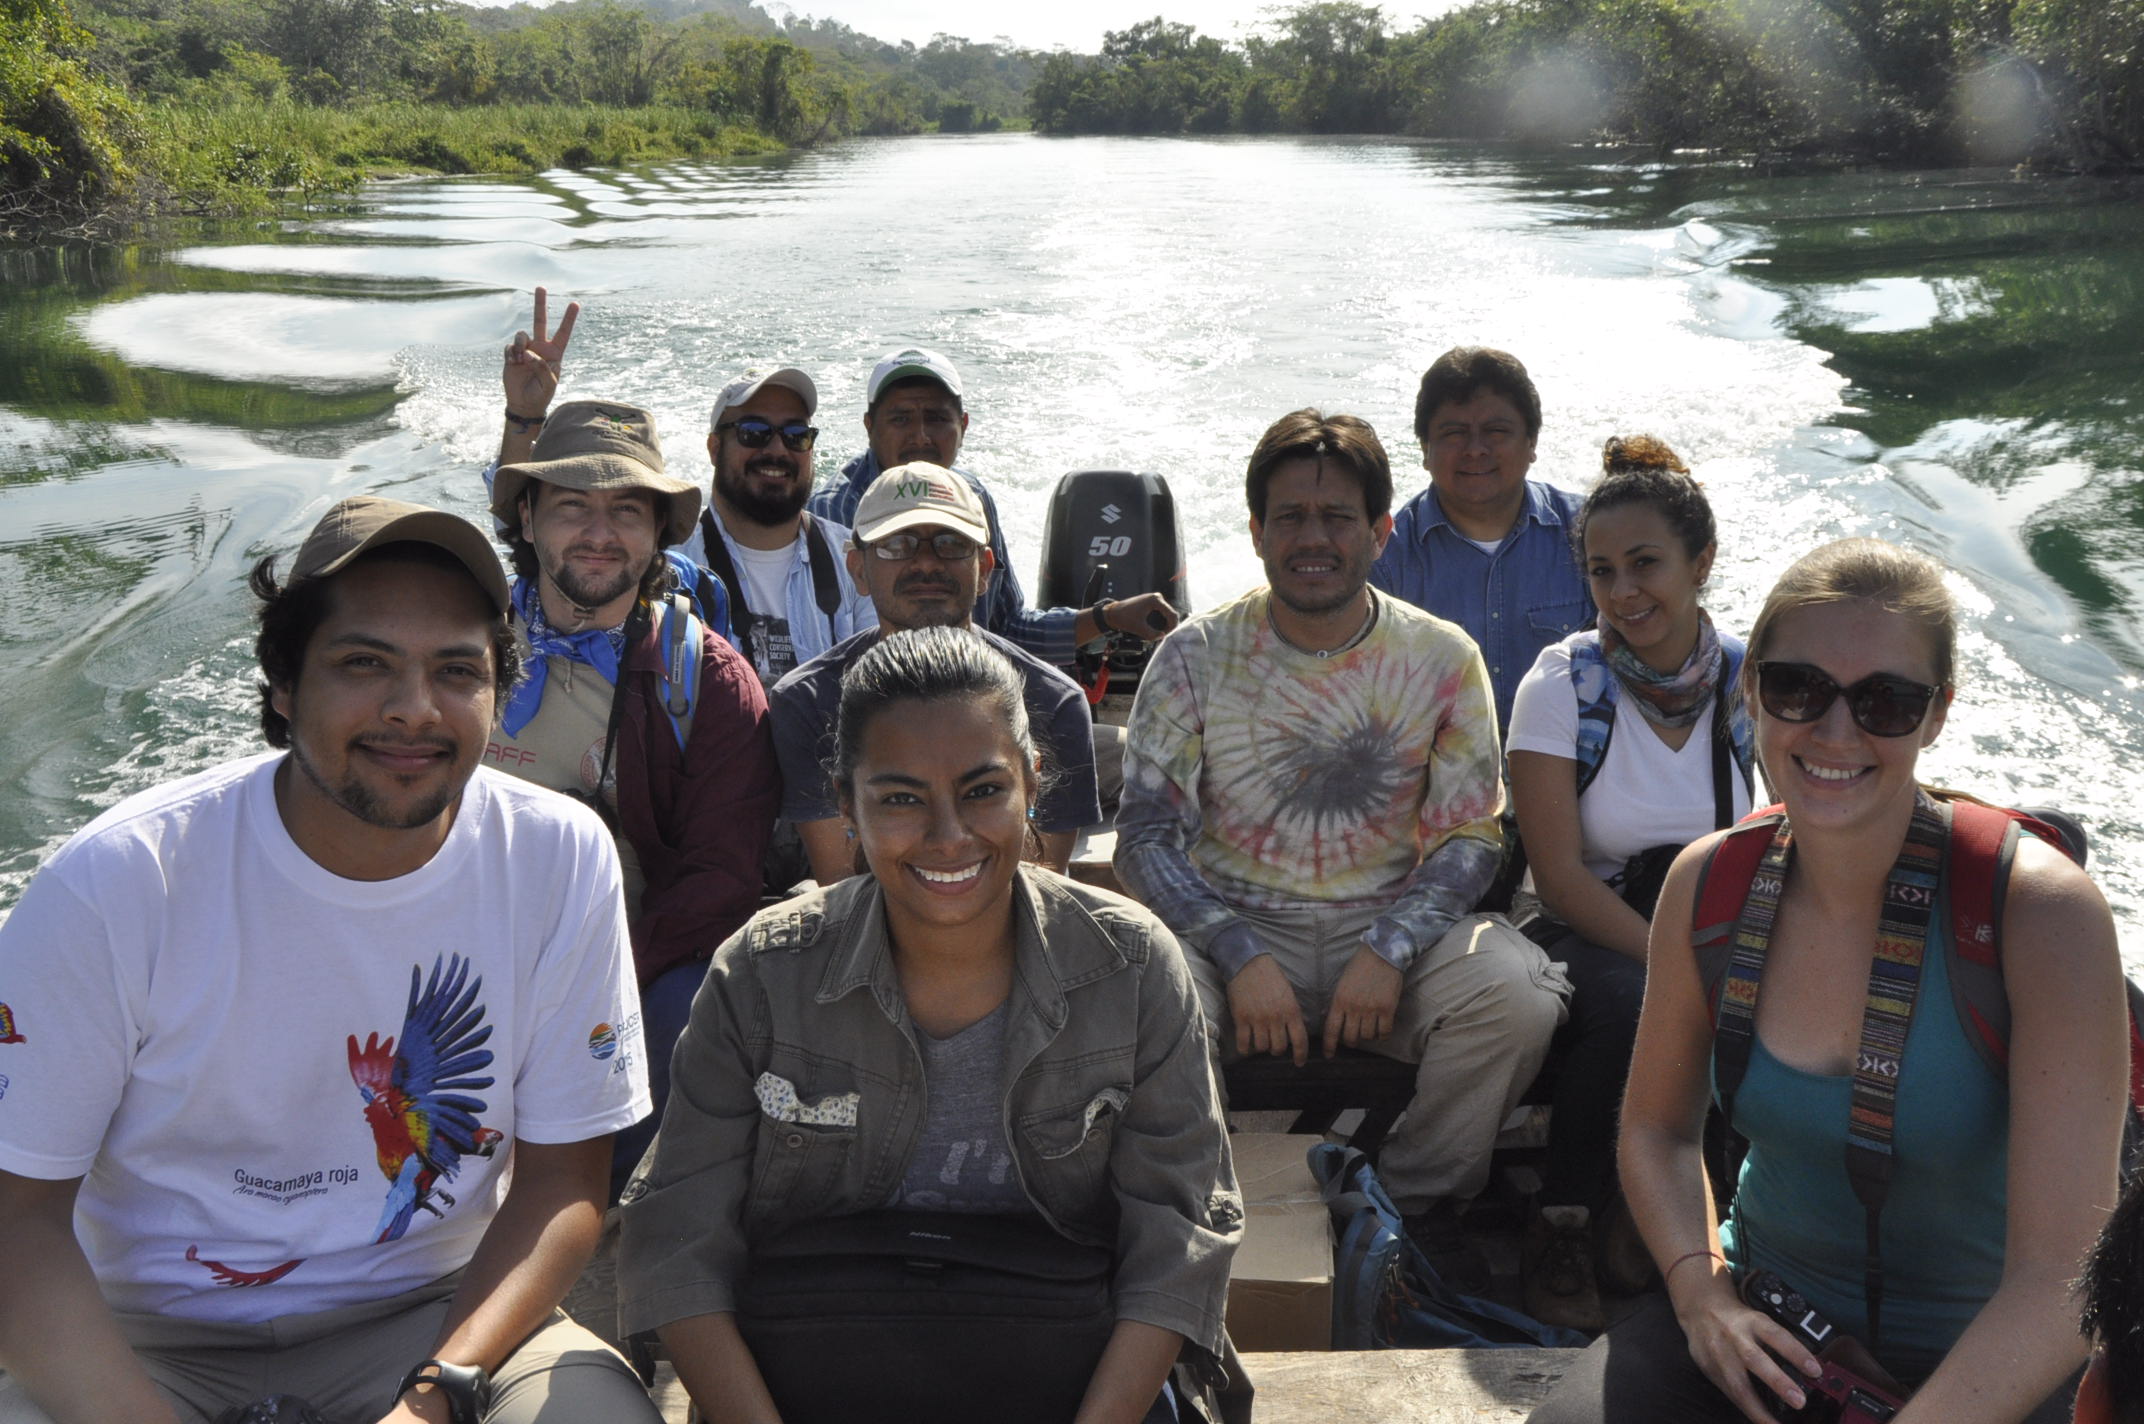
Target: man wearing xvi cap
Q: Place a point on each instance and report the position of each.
(921, 549)
(316, 1055)
(632, 703)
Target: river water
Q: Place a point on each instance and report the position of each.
(1948, 359)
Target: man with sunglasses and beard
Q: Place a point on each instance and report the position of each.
(921, 549)
(787, 600)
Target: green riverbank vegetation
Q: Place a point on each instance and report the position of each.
(112, 110)
(2055, 82)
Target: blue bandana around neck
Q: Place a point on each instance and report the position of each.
(599, 648)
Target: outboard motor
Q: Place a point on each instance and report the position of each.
(1112, 534)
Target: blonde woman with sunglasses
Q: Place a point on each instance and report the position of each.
(1955, 1275)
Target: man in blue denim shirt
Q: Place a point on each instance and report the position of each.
(1484, 546)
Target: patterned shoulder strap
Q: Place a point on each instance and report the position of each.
(1594, 686)
(1886, 1018)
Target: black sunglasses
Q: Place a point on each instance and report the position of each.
(1881, 704)
(754, 433)
(951, 547)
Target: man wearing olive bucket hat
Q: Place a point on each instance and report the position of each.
(632, 704)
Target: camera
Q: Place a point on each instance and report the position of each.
(1841, 1394)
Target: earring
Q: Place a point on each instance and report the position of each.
(1031, 813)
(848, 833)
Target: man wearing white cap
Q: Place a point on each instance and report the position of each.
(921, 551)
(315, 1056)
(787, 597)
(914, 410)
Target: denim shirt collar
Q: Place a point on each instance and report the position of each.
(1538, 508)
(861, 957)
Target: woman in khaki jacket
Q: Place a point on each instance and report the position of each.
(955, 1031)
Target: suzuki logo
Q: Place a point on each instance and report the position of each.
(1111, 514)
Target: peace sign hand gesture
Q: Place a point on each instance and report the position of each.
(530, 374)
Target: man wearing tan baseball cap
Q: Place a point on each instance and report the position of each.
(633, 703)
(317, 1054)
(921, 550)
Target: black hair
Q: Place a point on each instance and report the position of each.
(290, 614)
(1312, 434)
(925, 665)
(1643, 470)
(1455, 376)
(2113, 1290)
(910, 383)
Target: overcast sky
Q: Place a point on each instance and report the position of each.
(1077, 27)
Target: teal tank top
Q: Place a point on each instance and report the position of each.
(1795, 1212)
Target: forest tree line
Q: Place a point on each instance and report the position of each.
(2057, 81)
(134, 106)
(199, 103)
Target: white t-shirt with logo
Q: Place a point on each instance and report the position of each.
(765, 576)
(288, 1091)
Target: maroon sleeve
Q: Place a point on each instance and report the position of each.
(707, 812)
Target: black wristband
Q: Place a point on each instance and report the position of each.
(525, 420)
(467, 1388)
(1101, 621)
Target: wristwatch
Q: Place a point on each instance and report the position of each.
(467, 1387)
(1101, 620)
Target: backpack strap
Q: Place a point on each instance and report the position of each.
(825, 583)
(1734, 1007)
(1723, 881)
(1594, 686)
(682, 635)
(721, 564)
(1983, 845)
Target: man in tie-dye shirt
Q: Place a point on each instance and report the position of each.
(1310, 802)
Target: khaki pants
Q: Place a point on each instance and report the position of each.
(346, 1363)
(1475, 1014)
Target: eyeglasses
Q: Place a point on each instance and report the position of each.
(951, 547)
(754, 433)
(1881, 704)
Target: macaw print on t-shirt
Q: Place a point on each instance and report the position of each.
(417, 1094)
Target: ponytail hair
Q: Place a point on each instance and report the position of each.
(1643, 470)
(926, 665)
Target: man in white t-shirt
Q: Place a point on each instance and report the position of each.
(781, 566)
(312, 1059)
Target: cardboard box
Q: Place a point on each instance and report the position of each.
(1272, 1167)
(1280, 1289)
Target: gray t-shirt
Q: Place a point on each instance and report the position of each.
(962, 1162)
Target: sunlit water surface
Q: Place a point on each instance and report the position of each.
(1948, 360)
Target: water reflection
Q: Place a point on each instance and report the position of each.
(1944, 359)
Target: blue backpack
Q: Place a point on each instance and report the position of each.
(1386, 1295)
